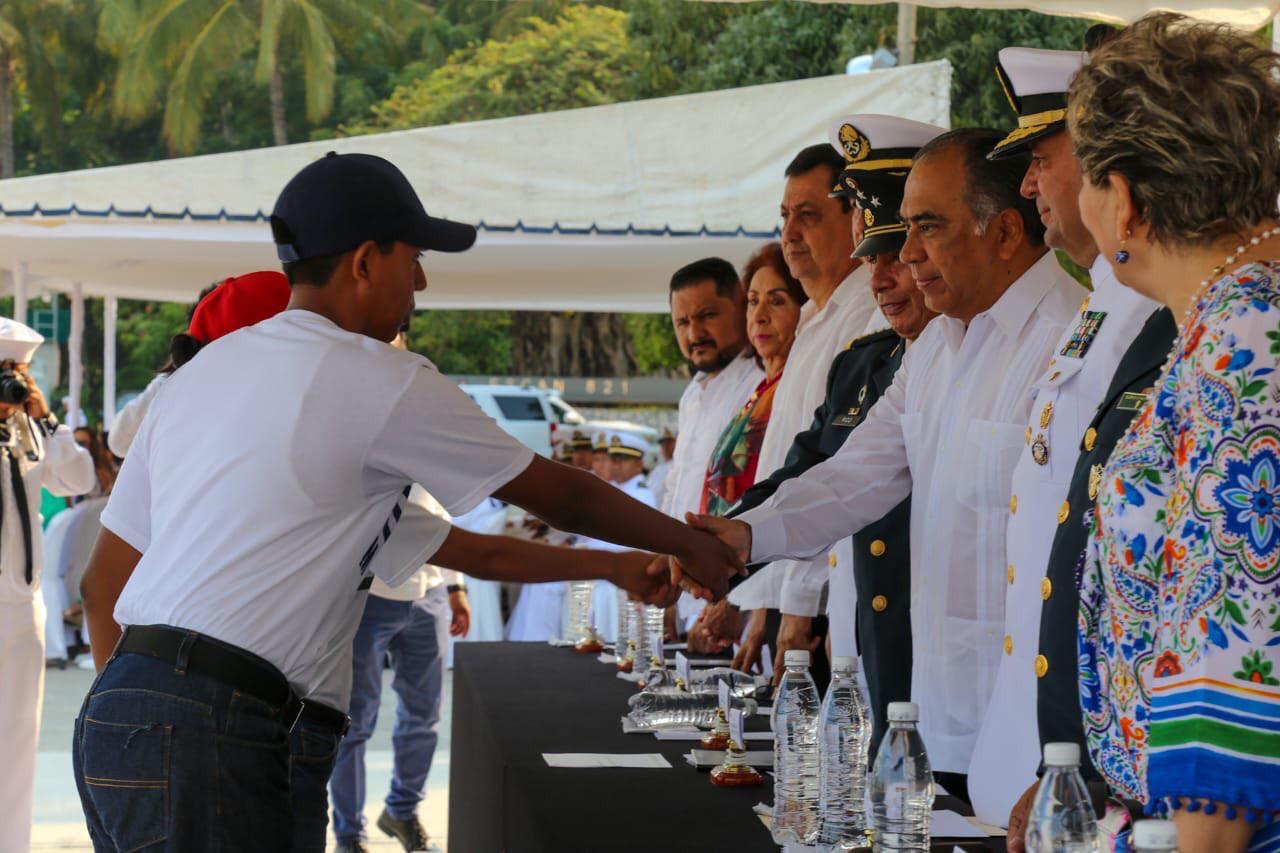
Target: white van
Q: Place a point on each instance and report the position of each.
(521, 411)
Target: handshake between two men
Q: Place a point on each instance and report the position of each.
(703, 569)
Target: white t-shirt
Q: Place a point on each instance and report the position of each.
(269, 472)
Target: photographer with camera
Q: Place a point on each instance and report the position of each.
(35, 452)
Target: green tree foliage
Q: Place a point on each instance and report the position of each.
(581, 59)
(470, 342)
(184, 47)
(970, 40)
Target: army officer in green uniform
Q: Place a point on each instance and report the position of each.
(878, 152)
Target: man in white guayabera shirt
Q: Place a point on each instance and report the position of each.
(709, 316)
(245, 528)
(948, 430)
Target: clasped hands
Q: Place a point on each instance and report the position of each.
(714, 550)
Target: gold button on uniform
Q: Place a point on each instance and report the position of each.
(879, 603)
(831, 559)
(1042, 666)
(1013, 505)
(1008, 644)
(1090, 438)
(1011, 573)
(1046, 588)
(877, 548)
(1064, 512)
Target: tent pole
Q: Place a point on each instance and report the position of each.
(110, 313)
(20, 292)
(75, 355)
(906, 34)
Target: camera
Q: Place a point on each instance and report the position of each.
(13, 387)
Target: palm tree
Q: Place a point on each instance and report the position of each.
(185, 46)
(28, 32)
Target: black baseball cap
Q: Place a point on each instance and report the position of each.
(341, 200)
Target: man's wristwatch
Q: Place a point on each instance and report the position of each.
(455, 587)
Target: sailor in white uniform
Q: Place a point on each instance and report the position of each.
(35, 452)
(626, 471)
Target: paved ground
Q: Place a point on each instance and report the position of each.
(59, 823)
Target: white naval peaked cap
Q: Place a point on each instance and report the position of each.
(1036, 71)
(1035, 81)
(864, 139)
(628, 444)
(18, 341)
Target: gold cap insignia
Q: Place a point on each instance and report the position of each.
(868, 217)
(855, 144)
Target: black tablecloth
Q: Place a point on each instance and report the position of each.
(514, 701)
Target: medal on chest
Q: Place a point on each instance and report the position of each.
(1083, 334)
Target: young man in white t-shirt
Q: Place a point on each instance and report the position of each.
(244, 530)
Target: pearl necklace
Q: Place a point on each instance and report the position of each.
(1198, 297)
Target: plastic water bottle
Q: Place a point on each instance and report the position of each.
(1155, 836)
(740, 683)
(624, 627)
(901, 785)
(579, 609)
(1062, 819)
(662, 710)
(654, 632)
(844, 734)
(795, 754)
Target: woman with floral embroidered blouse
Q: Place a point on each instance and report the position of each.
(1176, 125)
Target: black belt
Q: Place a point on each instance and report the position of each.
(189, 651)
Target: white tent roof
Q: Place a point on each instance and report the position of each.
(587, 209)
(1247, 14)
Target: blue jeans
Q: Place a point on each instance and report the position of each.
(414, 633)
(178, 761)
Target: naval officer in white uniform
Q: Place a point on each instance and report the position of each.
(1068, 394)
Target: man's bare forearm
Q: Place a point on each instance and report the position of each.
(110, 567)
(505, 558)
(579, 502)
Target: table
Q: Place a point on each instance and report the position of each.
(514, 701)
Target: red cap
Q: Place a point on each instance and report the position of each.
(238, 302)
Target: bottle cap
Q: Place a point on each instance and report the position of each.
(904, 712)
(841, 663)
(1155, 833)
(796, 657)
(1062, 755)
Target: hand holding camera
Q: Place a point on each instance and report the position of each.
(18, 388)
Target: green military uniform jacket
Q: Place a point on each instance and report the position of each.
(881, 550)
(1058, 692)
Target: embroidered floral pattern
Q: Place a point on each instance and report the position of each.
(1180, 592)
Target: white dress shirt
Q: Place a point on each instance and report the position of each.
(820, 337)
(1068, 394)
(947, 431)
(61, 466)
(706, 407)
(658, 480)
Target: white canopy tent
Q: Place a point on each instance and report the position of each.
(588, 210)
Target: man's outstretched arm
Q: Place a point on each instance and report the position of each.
(580, 502)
